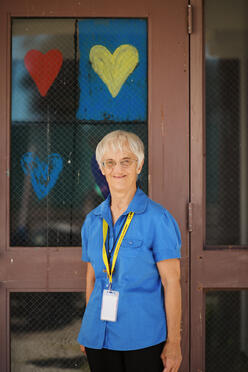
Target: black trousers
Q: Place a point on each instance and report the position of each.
(142, 360)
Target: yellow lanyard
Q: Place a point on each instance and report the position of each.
(104, 253)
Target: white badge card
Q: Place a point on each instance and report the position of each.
(109, 305)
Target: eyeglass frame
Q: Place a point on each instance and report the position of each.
(119, 162)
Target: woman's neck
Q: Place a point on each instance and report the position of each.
(120, 200)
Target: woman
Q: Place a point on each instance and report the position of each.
(132, 248)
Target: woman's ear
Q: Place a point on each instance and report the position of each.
(139, 168)
(102, 170)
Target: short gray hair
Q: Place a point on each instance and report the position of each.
(117, 140)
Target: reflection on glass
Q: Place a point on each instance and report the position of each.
(227, 331)
(55, 180)
(226, 64)
(43, 329)
(42, 36)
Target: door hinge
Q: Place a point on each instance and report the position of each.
(189, 19)
(190, 216)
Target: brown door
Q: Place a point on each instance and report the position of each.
(51, 121)
(219, 143)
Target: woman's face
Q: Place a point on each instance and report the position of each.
(120, 177)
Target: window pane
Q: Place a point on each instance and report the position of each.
(62, 105)
(43, 331)
(226, 51)
(227, 331)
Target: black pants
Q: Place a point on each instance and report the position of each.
(142, 360)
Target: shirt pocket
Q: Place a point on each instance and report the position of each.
(130, 247)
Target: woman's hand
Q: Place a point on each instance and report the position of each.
(83, 349)
(171, 356)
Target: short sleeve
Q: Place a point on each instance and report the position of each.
(167, 238)
(84, 242)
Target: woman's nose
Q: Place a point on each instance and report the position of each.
(117, 167)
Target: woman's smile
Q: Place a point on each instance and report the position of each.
(119, 177)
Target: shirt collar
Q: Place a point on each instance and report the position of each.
(137, 205)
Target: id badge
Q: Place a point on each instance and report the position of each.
(109, 305)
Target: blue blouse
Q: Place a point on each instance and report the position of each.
(152, 236)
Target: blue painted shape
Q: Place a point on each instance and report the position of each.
(43, 175)
(96, 102)
(99, 177)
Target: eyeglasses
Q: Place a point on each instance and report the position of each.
(124, 163)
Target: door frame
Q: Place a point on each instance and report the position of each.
(214, 267)
(46, 269)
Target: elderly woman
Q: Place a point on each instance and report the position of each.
(132, 248)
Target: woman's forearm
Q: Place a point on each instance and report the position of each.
(173, 308)
(170, 276)
(169, 271)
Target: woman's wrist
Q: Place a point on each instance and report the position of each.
(174, 340)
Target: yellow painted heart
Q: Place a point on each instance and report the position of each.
(115, 68)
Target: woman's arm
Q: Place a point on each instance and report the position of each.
(90, 282)
(169, 271)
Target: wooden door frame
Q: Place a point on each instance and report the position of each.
(214, 267)
(60, 268)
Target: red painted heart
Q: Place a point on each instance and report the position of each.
(43, 68)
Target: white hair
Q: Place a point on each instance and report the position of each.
(118, 140)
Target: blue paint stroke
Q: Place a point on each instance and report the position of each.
(96, 103)
(99, 177)
(43, 175)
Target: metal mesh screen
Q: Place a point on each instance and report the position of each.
(223, 152)
(227, 331)
(43, 329)
(226, 72)
(63, 103)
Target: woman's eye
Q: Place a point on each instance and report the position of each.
(109, 163)
(125, 163)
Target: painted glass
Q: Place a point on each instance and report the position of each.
(73, 81)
